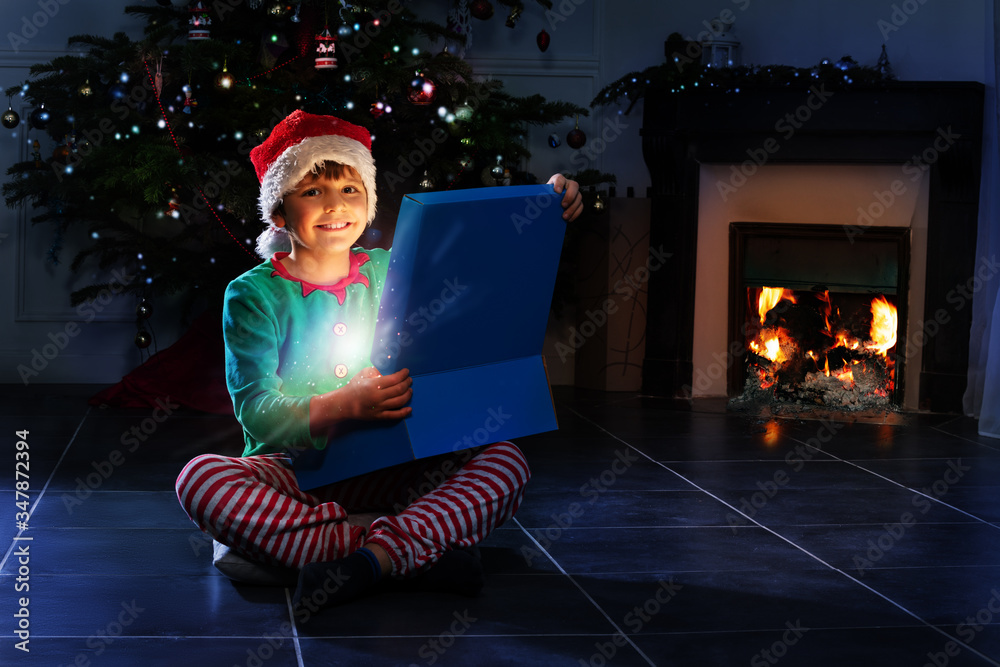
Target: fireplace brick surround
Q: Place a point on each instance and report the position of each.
(888, 125)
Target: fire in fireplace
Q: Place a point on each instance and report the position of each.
(813, 348)
(818, 316)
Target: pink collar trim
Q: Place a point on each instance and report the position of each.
(339, 290)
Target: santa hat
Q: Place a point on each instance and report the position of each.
(297, 146)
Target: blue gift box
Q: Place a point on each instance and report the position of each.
(464, 308)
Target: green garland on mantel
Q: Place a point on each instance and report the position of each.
(682, 74)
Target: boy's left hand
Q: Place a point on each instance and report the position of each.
(572, 201)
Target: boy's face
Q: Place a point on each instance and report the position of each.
(326, 213)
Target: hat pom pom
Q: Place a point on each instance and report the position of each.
(271, 240)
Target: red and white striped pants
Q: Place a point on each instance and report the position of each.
(255, 506)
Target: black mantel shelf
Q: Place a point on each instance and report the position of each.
(891, 124)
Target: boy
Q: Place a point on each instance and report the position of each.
(298, 331)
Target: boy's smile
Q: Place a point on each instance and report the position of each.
(325, 215)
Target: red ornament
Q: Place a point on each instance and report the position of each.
(576, 138)
(422, 90)
(543, 40)
(377, 109)
(481, 9)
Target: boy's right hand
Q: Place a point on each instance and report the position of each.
(372, 395)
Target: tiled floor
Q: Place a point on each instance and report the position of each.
(650, 534)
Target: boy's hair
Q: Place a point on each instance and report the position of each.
(325, 169)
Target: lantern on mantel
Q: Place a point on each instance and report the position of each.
(721, 48)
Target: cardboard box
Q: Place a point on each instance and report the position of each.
(464, 308)
(609, 336)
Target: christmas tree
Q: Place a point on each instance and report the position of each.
(152, 135)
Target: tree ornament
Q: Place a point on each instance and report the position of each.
(144, 310)
(378, 108)
(598, 203)
(85, 90)
(61, 154)
(576, 138)
(426, 183)
(11, 119)
(512, 18)
(543, 39)
(158, 78)
(554, 141)
(36, 153)
(190, 103)
(326, 46)
(883, 66)
(199, 22)
(464, 112)
(173, 206)
(422, 90)
(225, 80)
(143, 339)
(40, 117)
(481, 9)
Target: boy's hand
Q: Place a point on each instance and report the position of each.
(572, 201)
(372, 395)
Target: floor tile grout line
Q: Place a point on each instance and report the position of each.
(41, 494)
(793, 544)
(295, 630)
(963, 438)
(582, 590)
(899, 484)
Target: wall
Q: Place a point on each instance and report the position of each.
(593, 43)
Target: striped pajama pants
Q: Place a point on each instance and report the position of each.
(255, 506)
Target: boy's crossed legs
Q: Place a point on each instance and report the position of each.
(432, 506)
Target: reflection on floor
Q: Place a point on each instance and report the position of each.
(652, 533)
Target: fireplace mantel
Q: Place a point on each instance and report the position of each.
(888, 125)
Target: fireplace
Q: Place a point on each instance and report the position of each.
(816, 314)
(916, 144)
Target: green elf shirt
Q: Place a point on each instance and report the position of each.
(288, 340)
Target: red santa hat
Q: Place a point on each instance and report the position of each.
(297, 146)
